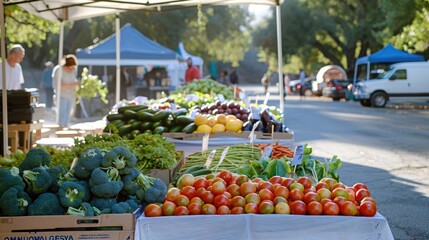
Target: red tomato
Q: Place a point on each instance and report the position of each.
(352, 193)
(234, 189)
(310, 189)
(287, 182)
(298, 207)
(322, 185)
(237, 210)
(188, 191)
(257, 180)
(252, 198)
(265, 185)
(251, 208)
(218, 179)
(200, 183)
(348, 208)
(310, 197)
(196, 200)
(339, 200)
(296, 185)
(247, 187)
(361, 194)
(194, 209)
(227, 194)
(220, 200)
(200, 192)
(368, 199)
(225, 175)
(368, 209)
(339, 192)
(266, 194)
(281, 191)
(218, 188)
(315, 208)
(185, 180)
(329, 181)
(336, 185)
(358, 186)
(275, 179)
(222, 210)
(266, 207)
(324, 193)
(241, 179)
(325, 200)
(168, 208)
(172, 194)
(182, 200)
(207, 197)
(237, 201)
(331, 208)
(209, 183)
(305, 181)
(208, 209)
(296, 194)
(181, 210)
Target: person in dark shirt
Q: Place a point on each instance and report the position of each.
(233, 77)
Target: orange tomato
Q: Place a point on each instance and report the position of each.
(181, 210)
(305, 181)
(331, 208)
(266, 194)
(188, 191)
(208, 209)
(153, 210)
(315, 208)
(218, 188)
(172, 194)
(233, 189)
(194, 208)
(246, 188)
(222, 210)
(281, 191)
(168, 208)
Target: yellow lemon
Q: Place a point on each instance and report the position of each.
(200, 120)
(204, 129)
(233, 125)
(218, 127)
(211, 121)
(230, 117)
(221, 118)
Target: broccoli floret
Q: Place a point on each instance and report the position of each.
(130, 182)
(133, 202)
(14, 202)
(87, 190)
(35, 157)
(103, 204)
(122, 207)
(10, 178)
(84, 210)
(46, 204)
(38, 180)
(71, 194)
(89, 160)
(105, 182)
(152, 190)
(56, 173)
(121, 158)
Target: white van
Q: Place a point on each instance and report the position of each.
(402, 82)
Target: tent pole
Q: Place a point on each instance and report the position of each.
(60, 69)
(368, 70)
(3, 77)
(280, 55)
(118, 58)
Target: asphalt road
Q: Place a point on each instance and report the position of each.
(387, 149)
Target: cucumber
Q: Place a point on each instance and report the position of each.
(145, 126)
(183, 120)
(136, 125)
(176, 129)
(135, 108)
(161, 115)
(156, 124)
(144, 116)
(180, 112)
(200, 172)
(115, 116)
(194, 168)
(159, 130)
(130, 114)
(124, 130)
(190, 128)
(118, 123)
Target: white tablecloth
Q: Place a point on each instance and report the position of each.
(264, 227)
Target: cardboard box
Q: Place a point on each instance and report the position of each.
(167, 175)
(67, 227)
(244, 135)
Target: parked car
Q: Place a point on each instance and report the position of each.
(336, 89)
(295, 86)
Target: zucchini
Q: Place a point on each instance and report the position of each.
(145, 126)
(124, 130)
(183, 120)
(190, 128)
(200, 172)
(118, 123)
(130, 114)
(145, 116)
(161, 115)
(180, 112)
(156, 124)
(114, 116)
(176, 129)
(159, 130)
(136, 125)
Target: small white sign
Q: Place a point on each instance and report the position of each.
(210, 159)
(222, 156)
(267, 151)
(298, 154)
(221, 97)
(205, 144)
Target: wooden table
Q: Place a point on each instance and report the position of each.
(27, 129)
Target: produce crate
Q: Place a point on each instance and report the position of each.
(245, 135)
(67, 227)
(167, 175)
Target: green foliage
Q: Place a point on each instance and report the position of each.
(90, 87)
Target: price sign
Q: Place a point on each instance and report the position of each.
(221, 97)
(267, 151)
(205, 145)
(252, 135)
(210, 159)
(222, 156)
(298, 154)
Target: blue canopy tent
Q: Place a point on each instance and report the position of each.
(387, 55)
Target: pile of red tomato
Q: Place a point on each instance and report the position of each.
(226, 193)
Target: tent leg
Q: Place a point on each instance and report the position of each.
(280, 55)
(4, 87)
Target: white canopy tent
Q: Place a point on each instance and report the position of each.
(60, 10)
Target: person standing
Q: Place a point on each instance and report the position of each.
(223, 79)
(14, 76)
(46, 83)
(233, 77)
(301, 82)
(192, 72)
(66, 75)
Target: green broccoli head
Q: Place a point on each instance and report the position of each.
(10, 178)
(152, 190)
(105, 182)
(122, 207)
(38, 180)
(71, 194)
(130, 182)
(103, 204)
(121, 158)
(89, 160)
(84, 210)
(35, 157)
(14, 202)
(46, 204)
